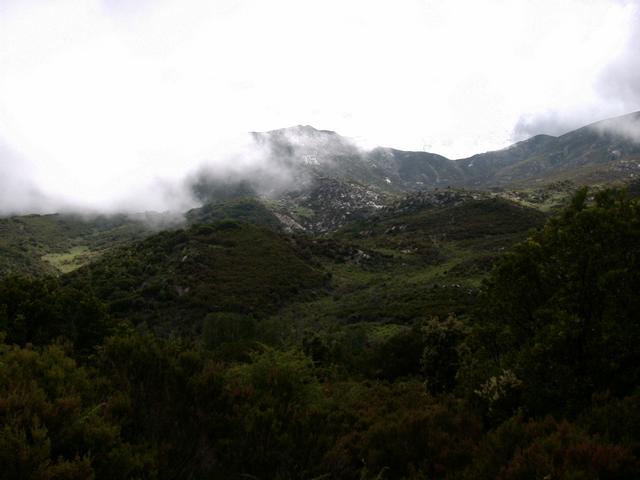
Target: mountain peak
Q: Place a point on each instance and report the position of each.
(307, 130)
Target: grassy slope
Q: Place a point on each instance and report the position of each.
(53, 244)
(56, 244)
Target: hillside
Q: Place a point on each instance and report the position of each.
(416, 334)
(395, 267)
(377, 314)
(245, 209)
(245, 240)
(423, 339)
(332, 183)
(172, 279)
(602, 152)
(54, 244)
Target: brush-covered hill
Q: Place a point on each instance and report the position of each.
(422, 257)
(441, 217)
(244, 209)
(173, 279)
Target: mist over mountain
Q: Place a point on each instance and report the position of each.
(607, 150)
(111, 107)
(276, 163)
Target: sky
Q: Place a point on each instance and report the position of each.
(107, 104)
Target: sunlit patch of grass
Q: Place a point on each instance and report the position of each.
(379, 333)
(71, 260)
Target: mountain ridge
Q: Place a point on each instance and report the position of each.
(601, 151)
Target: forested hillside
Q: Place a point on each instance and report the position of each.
(450, 336)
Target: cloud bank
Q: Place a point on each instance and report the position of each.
(113, 104)
(627, 127)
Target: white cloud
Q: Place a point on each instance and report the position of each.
(104, 97)
(627, 127)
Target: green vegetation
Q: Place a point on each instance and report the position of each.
(38, 311)
(71, 260)
(474, 339)
(561, 310)
(243, 209)
(172, 280)
(54, 244)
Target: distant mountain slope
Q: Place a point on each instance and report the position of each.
(311, 153)
(605, 151)
(416, 170)
(481, 169)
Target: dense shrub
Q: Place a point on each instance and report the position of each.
(561, 311)
(38, 311)
(55, 421)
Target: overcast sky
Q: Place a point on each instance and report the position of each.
(99, 98)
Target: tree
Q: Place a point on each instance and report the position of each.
(441, 355)
(55, 421)
(562, 311)
(38, 311)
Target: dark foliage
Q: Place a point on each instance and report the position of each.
(38, 311)
(173, 279)
(278, 357)
(562, 312)
(242, 209)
